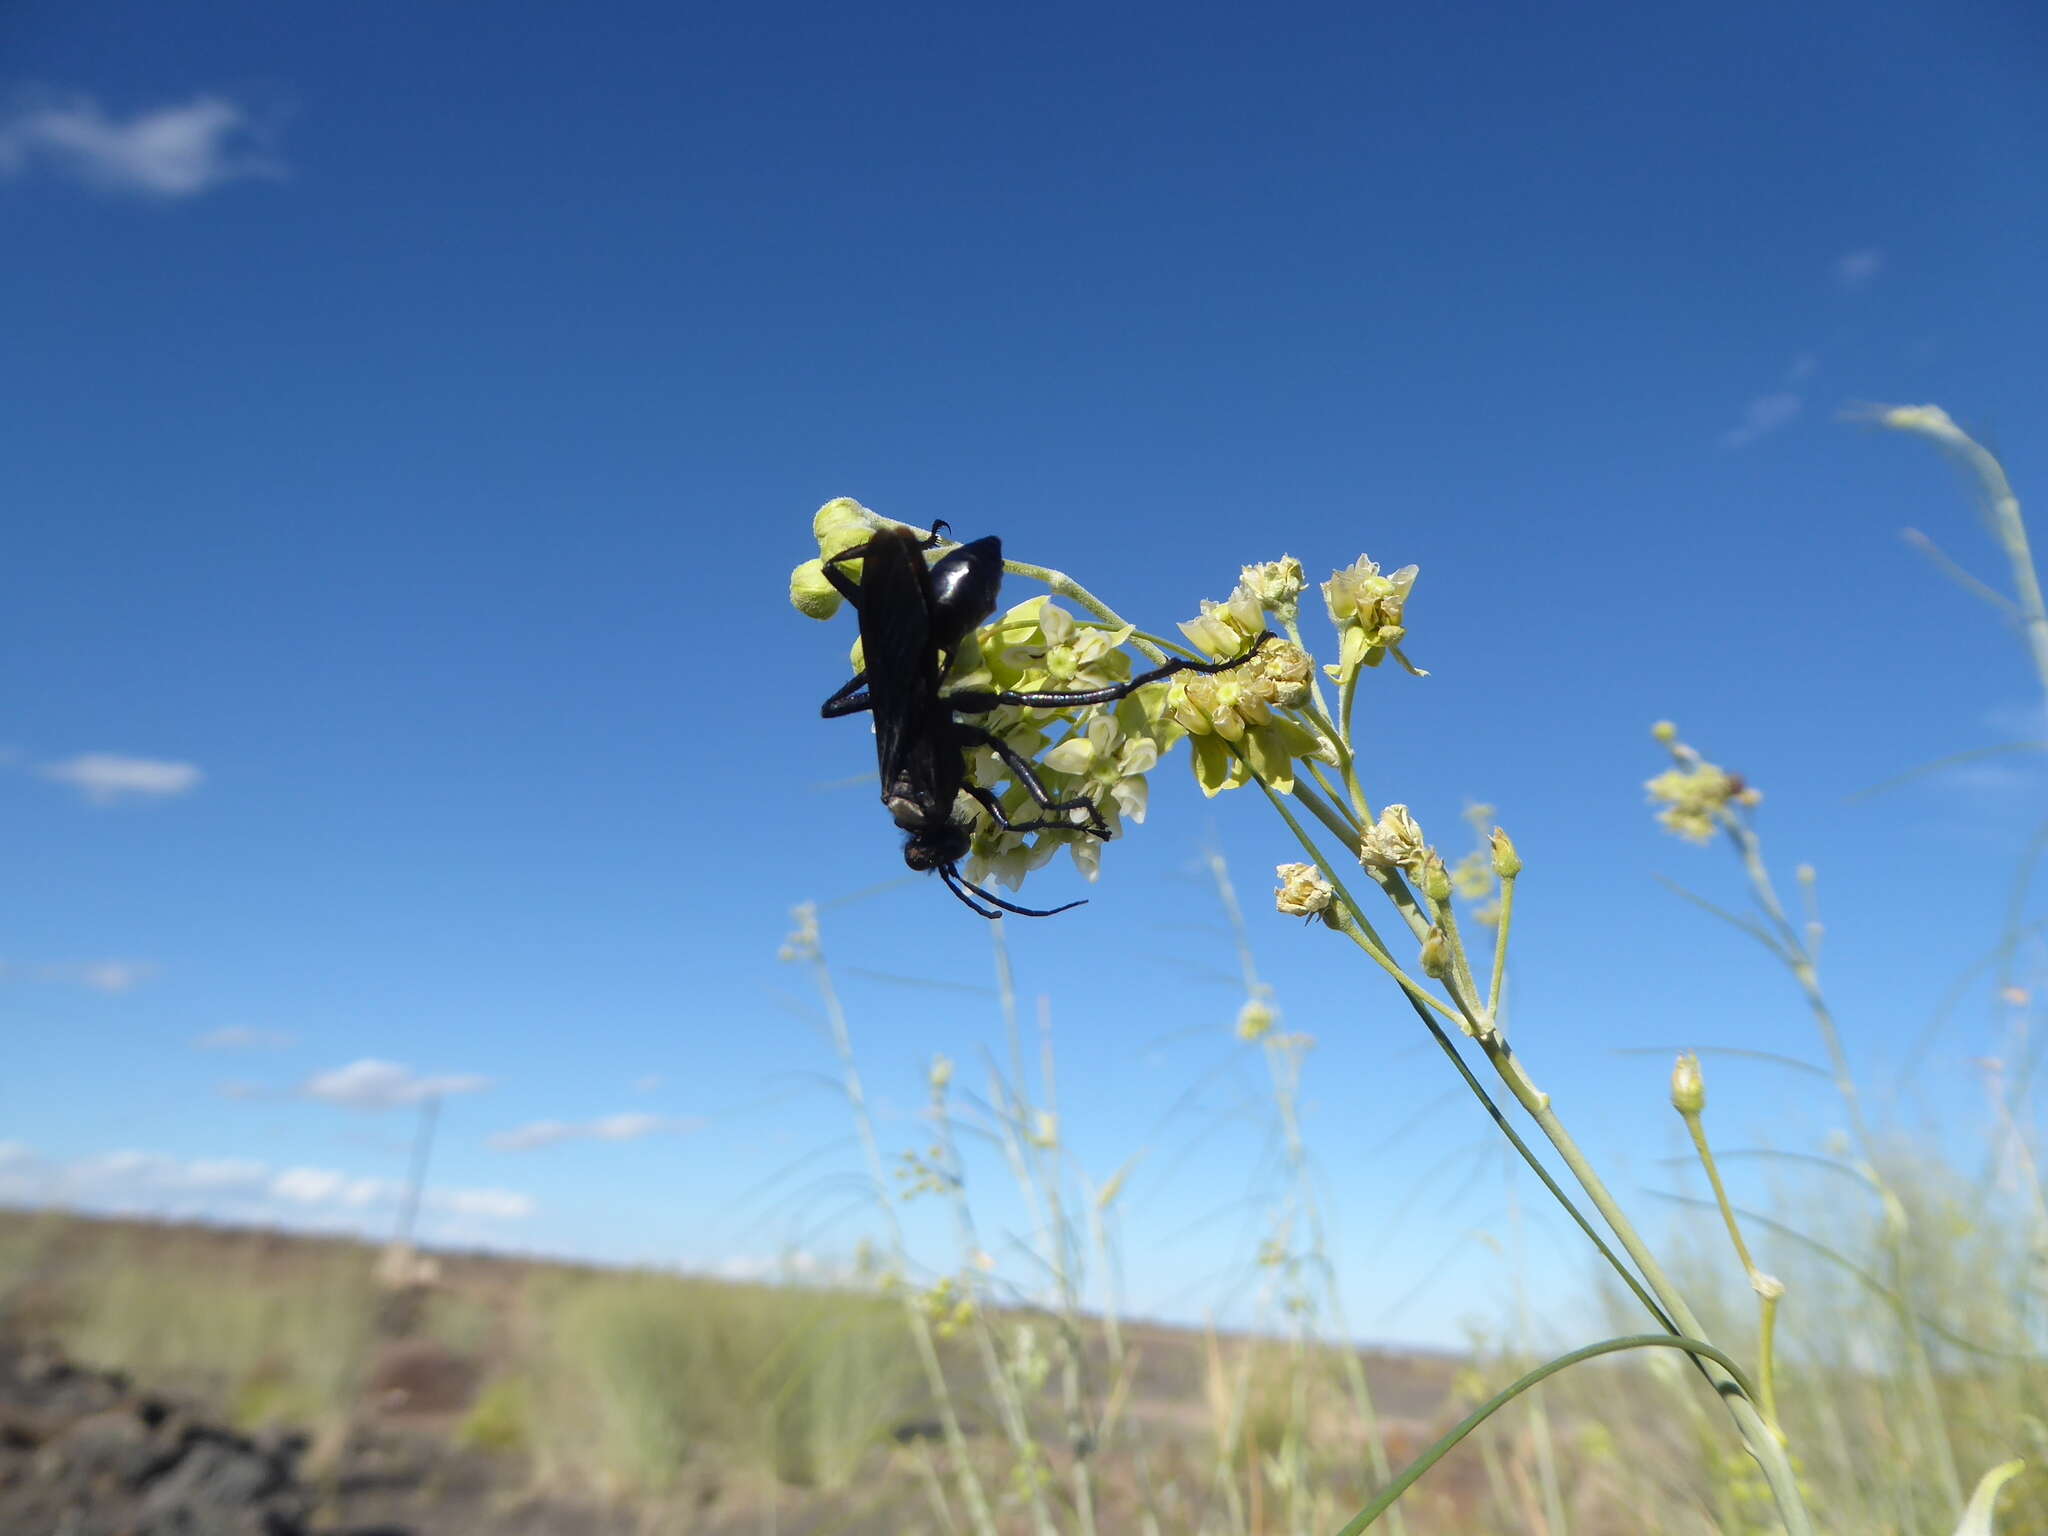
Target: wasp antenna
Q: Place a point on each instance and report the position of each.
(1007, 906)
(951, 877)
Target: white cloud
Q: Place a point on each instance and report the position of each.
(496, 1204)
(100, 975)
(323, 1186)
(539, 1133)
(155, 1183)
(170, 152)
(628, 1126)
(372, 1084)
(1762, 416)
(238, 1038)
(1858, 269)
(107, 777)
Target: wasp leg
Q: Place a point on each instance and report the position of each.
(844, 583)
(849, 700)
(982, 703)
(1021, 768)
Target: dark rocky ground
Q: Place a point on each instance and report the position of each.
(89, 1453)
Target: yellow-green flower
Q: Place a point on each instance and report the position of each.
(1238, 709)
(1255, 1019)
(1369, 610)
(1695, 797)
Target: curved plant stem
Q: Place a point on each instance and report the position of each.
(1756, 1433)
(1506, 1395)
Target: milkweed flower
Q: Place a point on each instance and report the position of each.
(1276, 585)
(1395, 841)
(1234, 720)
(1303, 890)
(1370, 612)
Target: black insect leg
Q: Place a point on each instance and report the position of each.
(982, 703)
(849, 700)
(1021, 768)
(844, 583)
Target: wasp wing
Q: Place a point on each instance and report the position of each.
(900, 654)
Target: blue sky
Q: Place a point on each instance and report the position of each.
(410, 419)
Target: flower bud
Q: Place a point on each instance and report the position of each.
(1436, 877)
(1770, 1287)
(1436, 954)
(812, 595)
(1665, 732)
(1688, 1088)
(1303, 890)
(941, 1073)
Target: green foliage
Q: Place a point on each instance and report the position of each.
(224, 1318)
(640, 1371)
(501, 1418)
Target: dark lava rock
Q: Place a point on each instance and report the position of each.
(81, 1454)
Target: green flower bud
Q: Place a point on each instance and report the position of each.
(1507, 863)
(1436, 954)
(812, 595)
(842, 523)
(1436, 877)
(1688, 1088)
(1665, 732)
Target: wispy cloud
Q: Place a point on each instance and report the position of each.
(373, 1084)
(1762, 416)
(154, 1182)
(168, 152)
(107, 777)
(1858, 269)
(110, 976)
(620, 1127)
(238, 1038)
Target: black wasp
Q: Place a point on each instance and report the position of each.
(913, 618)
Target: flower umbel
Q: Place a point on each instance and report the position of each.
(1694, 794)
(1235, 720)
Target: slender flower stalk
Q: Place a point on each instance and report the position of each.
(805, 947)
(1689, 1098)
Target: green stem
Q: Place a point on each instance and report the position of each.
(1065, 586)
(1500, 948)
(1429, 1458)
(1742, 1406)
(1768, 1289)
(978, 1510)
